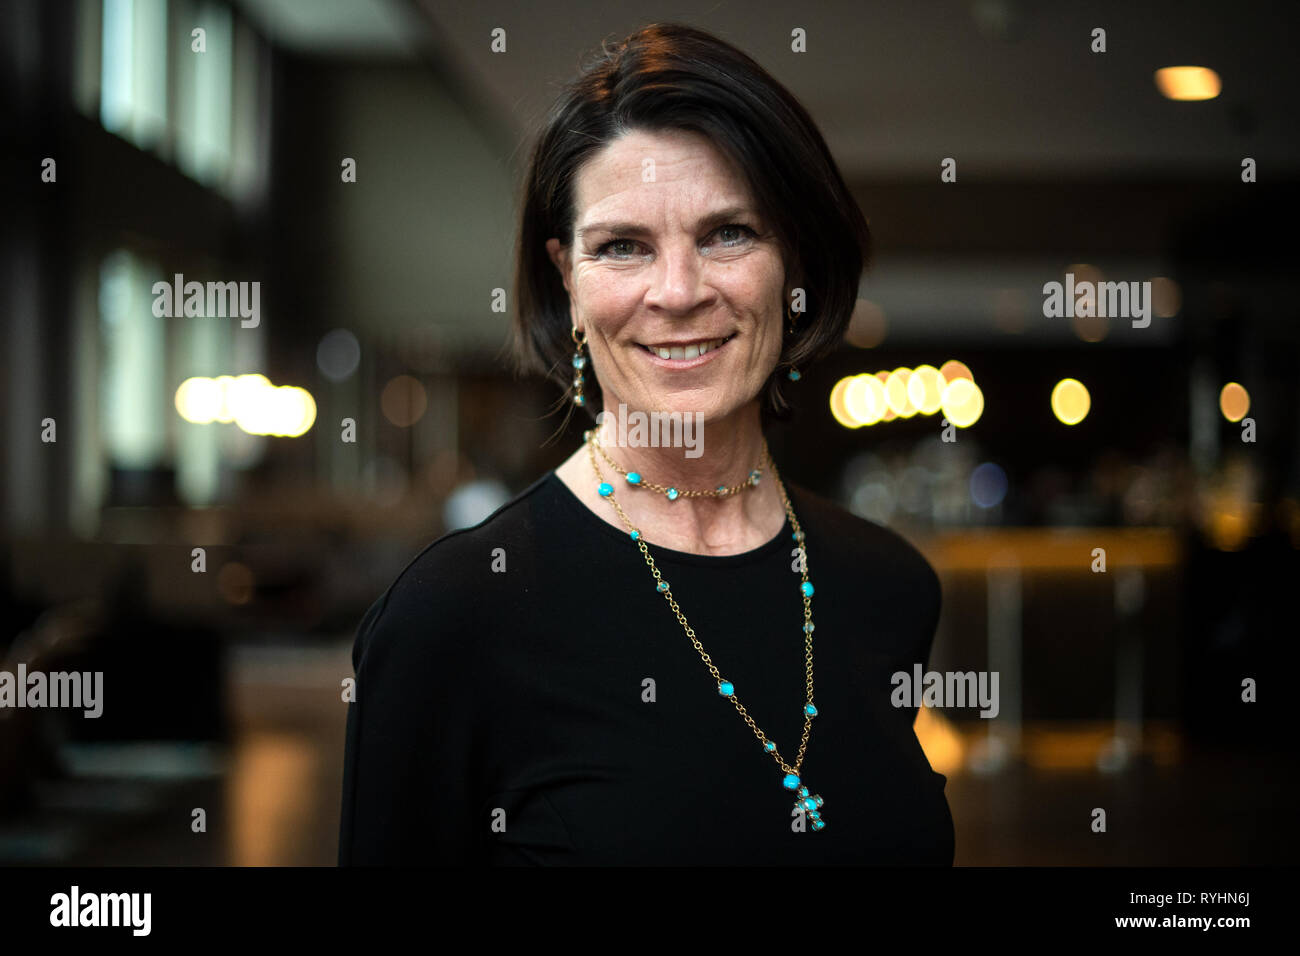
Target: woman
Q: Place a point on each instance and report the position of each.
(617, 666)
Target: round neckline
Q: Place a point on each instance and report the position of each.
(668, 554)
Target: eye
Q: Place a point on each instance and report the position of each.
(606, 247)
(745, 233)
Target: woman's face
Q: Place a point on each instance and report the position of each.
(669, 255)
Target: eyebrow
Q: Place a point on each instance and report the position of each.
(717, 218)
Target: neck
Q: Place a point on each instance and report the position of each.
(701, 454)
(723, 452)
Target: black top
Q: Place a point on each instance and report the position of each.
(551, 709)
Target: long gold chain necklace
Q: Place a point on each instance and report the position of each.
(809, 803)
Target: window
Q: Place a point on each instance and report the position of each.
(139, 74)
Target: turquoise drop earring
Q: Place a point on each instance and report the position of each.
(579, 363)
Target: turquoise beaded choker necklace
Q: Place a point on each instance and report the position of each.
(809, 803)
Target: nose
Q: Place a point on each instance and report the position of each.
(677, 285)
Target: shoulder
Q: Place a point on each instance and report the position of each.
(437, 598)
(867, 551)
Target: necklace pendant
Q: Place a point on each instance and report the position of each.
(809, 803)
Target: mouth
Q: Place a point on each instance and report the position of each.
(685, 353)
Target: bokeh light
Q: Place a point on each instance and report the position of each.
(925, 389)
(952, 369)
(235, 583)
(838, 409)
(1188, 82)
(246, 401)
(896, 393)
(867, 327)
(865, 399)
(962, 402)
(1088, 328)
(1070, 401)
(198, 400)
(1166, 297)
(988, 485)
(338, 355)
(403, 401)
(249, 401)
(1234, 402)
(870, 398)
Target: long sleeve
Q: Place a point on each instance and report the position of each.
(408, 763)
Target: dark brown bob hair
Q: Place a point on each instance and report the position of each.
(668, 76)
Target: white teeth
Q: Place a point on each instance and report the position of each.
(688, 351)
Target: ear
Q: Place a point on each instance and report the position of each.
(560, 257)
(795, 281)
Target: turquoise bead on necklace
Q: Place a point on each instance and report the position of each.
(807, 803)
(636, 480)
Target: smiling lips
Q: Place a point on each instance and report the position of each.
(687, 351)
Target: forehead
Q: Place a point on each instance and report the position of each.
(686, 167)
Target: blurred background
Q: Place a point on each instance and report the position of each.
(1114, 510)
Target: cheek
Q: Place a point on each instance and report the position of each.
(769, 337)
(768, 310)
(764, 287)
(603, 298)
(771, 342)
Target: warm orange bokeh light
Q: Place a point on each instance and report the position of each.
(1188, 83)
(1234, 402)
(952, 369)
